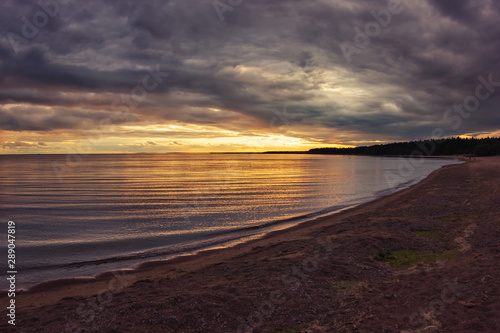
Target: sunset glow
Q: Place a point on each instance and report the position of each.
(179, 77)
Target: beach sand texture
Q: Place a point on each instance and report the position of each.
(424, 259)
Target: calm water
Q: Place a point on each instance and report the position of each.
(116, 211)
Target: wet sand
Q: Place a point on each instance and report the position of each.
(320, 276)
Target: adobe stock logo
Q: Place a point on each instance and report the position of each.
(30, 29)
(363, 38)
(221, 7)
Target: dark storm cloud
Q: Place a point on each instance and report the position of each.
(20, 118)
(35, 69)
(457, 9)
(263, 55)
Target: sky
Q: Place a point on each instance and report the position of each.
(244, 75)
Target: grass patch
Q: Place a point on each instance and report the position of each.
(461, 220)
(408, 258)
(426, 233)
(343, 286)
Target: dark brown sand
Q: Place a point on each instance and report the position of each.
(320, 276)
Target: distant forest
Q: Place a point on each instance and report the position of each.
(450, 146)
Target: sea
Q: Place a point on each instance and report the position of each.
(81, 217)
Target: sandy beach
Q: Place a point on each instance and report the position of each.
(424, 259)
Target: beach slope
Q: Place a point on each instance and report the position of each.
(421, 260)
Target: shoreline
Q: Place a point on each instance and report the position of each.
(247, 234)
(58, 285)
(319, 276)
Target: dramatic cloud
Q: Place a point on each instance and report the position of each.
(184, 75)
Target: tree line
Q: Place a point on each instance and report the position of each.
(449, 146)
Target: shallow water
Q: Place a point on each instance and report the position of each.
(115, 211)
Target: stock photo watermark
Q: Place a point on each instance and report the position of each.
(138, 94)
(280, 118)
(372, 29)
(454, 115)
(11, 272)
(91, 306)
(425, 318)
(223, 6)
(292, 280)
(30, 29)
